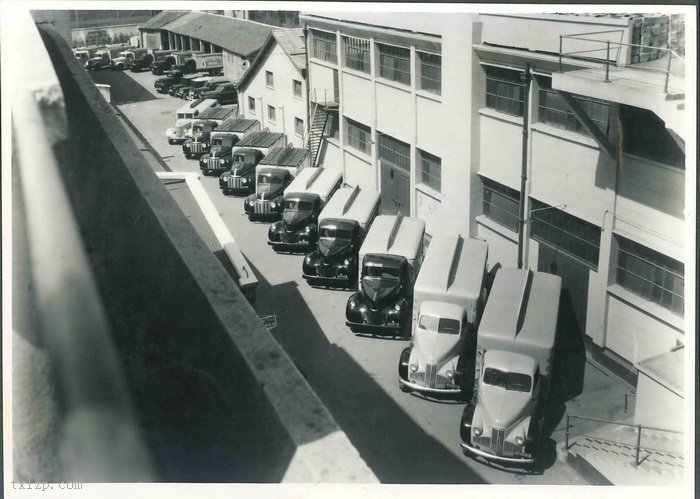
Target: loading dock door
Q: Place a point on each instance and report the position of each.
(395, 165)
(395, 190)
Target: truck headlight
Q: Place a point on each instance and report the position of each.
(273, 205)
(346, 261)
(477, 431)
(307, 260)
(397, 307)
(205, 145)
(450, 374)
(222, 162)
(519, 440)
(202, 160)
(251, 203)
(244, 180)
(414, 367)
(307, 229)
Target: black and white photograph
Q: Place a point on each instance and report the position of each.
(376, 249)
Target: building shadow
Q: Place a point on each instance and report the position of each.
(124, 90)
(392, 444)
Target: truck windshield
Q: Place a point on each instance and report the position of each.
(445, 326)
(296, 205)
(382, 272)
(239, 158)
(510, 381)
(265, 180)
(335, 233)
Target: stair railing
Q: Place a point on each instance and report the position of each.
(639, 428)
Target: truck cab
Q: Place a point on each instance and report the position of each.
(514, 357)
(225, 93)
(163, 61)
(141, 63)
(81, 55)
(125, 58)
(390, 258)
(266, 202)
(101, 59)
(342, 226)
(303, 201)
(210, 84)
(199, 143)
(239, 176)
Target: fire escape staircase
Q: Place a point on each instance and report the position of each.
(317, 132)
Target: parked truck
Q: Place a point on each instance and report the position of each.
(162, 85)
(220, 158)
(448, 297)
(184, 118)
(211, 63)
(266, 202)
(390, 258)
(342, 227)
(514, 358)
(240, 179)
(163, 60)
(82, 55)
(185, 81)
(103, 57)
(225, 93)
(193, 93)
(126, 57)
(303, 201)
(198, 136)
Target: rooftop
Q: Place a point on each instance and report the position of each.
(161, 19)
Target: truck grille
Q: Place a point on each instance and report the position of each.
(262, 207)
(213, 164)
(196, 147)
(179, 130)
(431, 375)
(234, 182)
(497, 438)
(289, 237)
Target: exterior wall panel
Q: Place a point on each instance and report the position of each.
(501, 150)
(357, 105)
(359, 172)
(394, 113)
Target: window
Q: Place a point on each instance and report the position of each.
(269, 79)
(565, 232)
(356, 53)
(251, 104)
(430, 66)
(394, 152)
(501, 204)
(331, 129)
(359, 136)
(504, 90)
(271, 114)
(644, 134)
(394, 63)
(324, 46)
(554, 111)
(296, 88)
(650, 274)
(299, 126)
(430, 169)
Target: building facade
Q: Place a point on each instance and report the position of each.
(469, 121)
(273, 90)
(398, 118)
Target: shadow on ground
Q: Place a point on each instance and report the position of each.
(124, 90)
(391, 443)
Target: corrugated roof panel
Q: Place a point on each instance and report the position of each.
(216, 113)
(239, 36)
(236, 125)
(261, 139)
(161, 19)
(285, 156)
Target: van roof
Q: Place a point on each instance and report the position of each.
(351, 204)
(285, 156)
(511, 362)
(442, 310)
(314, 181)
(453, 266)
(523, 306)
(394, 235)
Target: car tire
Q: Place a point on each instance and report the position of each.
(188, 155)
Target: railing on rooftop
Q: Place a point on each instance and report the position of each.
(637, 445)
(616, 54)
(325, 96)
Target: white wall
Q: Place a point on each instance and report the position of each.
(356, 91)
(281, 96)
(657, 406)
(234, 66)
(501, 148)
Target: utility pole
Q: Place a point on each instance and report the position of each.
(526, 78)
(308, 91)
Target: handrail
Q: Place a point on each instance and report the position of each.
(639, 428)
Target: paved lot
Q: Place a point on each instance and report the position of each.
(403, 438)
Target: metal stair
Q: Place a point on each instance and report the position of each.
(317, 132)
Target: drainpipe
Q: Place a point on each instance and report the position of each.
(526, 77)
(306, 83)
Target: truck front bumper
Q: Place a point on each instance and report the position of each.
(333, 282)
(426, 389)
(173, 137)
(364, 327)
(295, 247)
(495, 458)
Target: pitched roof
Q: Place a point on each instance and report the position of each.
(161, 19)
(239, 36)
(290, 40)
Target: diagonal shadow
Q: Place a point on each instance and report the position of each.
(394, 446)
(124, 89)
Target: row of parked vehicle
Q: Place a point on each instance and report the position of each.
(490, 344)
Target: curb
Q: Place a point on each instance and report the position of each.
(586, 470)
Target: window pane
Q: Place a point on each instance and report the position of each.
(430, 72)
(504, 90)
(324, 46)
(357, 53)
(394, 63)
(651, 275)
(645, 135)
(501, 204)
(565, 232)
(430, 170)
(358, 136)
(395, 152)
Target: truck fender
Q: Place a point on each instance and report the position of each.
(465, 425)
(403, 363)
